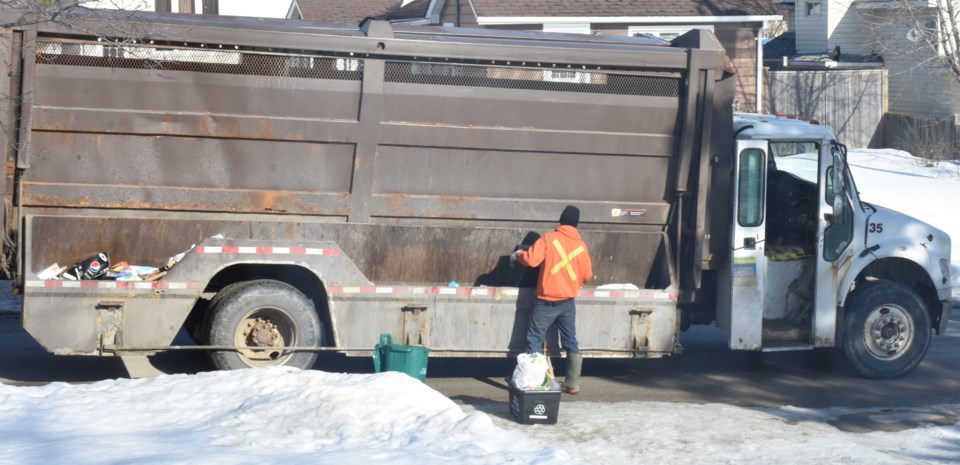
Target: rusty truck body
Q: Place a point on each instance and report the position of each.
(329, 183)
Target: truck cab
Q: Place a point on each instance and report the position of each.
(811, 265)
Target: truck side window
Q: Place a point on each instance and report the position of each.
(837, 236)
(751, 186)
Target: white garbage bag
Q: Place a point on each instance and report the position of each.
(531, 371)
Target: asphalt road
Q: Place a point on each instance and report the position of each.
(707, 372)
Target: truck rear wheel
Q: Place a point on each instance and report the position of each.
(201, 332)
(886, 330)
(261, 318)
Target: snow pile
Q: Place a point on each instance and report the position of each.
(269, 415)
(287, 416)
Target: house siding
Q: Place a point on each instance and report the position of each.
(837, 24)
(741, 44)
(846, 28)
(812, 30)
(916, 85)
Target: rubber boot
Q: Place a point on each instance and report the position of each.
(571, 384)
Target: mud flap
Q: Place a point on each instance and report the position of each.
(416, 325)
(639, 329)
(109, 322)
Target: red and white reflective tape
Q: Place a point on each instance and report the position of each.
(475, 291)
(105, 284)
(644, 294)
(493, 291)
(346, 290)
(266, 250)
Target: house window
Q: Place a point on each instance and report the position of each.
(813, 8)
(666, 32)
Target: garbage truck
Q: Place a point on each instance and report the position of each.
(308, 186)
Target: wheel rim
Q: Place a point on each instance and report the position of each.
(888, 332)
(265, 332)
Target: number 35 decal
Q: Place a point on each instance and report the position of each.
(875, 227)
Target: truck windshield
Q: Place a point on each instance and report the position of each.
(800, 159)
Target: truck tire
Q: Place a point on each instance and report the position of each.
(886, 330)
(201, 332)
(263, 317)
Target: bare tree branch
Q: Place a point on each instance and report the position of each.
(30, 12)
(933, 29)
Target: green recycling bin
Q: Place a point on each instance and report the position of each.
(411, 360)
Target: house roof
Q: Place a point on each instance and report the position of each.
(784, 45)
(623, 8)
(356, 11)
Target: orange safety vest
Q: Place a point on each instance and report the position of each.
(565, 260)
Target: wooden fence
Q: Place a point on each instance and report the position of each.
(927, 137)
(850, 102)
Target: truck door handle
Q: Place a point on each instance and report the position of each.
(750, 243)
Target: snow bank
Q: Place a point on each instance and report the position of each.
(287, 416)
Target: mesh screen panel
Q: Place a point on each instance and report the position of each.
(552, 79)
(243, 62)
(206, 60)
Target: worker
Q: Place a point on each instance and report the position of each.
(564, 266)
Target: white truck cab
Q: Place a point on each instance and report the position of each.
(814, 266)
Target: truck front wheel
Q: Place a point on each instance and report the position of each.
(260, 319)
(886, 330)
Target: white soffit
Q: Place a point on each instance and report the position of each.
(889, 5)
(508, 20)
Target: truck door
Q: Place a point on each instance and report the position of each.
(748, 264)
(836, 234)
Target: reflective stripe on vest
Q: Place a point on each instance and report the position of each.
(565, 263)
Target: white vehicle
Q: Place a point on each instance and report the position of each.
(876, 281)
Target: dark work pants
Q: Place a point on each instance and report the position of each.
(544, 314)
